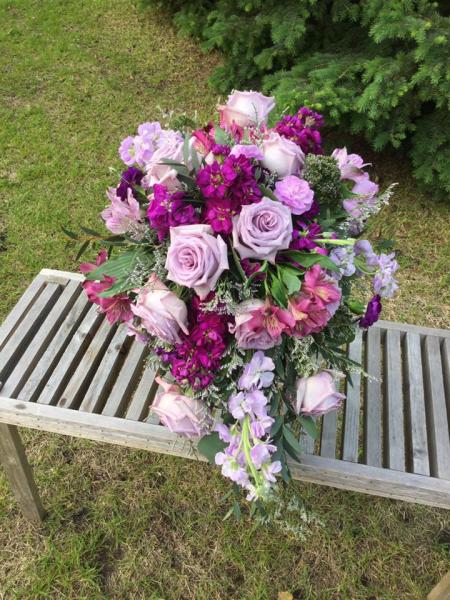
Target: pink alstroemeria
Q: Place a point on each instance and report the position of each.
(320, 287)
(124, 216)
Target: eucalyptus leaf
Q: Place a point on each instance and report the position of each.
(278, 291)
(291, 281)
(309, 426)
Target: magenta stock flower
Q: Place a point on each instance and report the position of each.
(168, 210)
(304, 235)
(303, 130)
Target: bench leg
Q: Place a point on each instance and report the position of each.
(19, 473)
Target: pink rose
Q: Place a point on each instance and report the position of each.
(262, 229)
(163, 314)
(317, 395)
(259, 325)
(180, 414)
(196, 259)
(294, 193)
(244, 109)
(282, 156)
(157, 172)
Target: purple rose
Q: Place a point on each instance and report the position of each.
(180, 414)
(294, 193)
(245, 108)
(163, 314)
(282, 156)
(262, 229)
(317, 395)
(196, 258)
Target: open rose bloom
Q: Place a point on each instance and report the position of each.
(233, 255)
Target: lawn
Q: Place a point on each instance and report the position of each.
(76, 77)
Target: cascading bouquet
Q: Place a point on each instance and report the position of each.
(238, 265)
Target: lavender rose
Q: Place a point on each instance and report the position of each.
(294, 193)
(262, 229)
(282, 156)
(163, 314)
(196, 259)
(317, 395)
(180, 414)
(245, 108)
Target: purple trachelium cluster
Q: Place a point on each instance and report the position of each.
(197, 358)
(303, 129)
(247, 458)
(227, 184)
(168, 210)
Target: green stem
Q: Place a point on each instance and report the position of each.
(347, 242)
(238, 264)
(246, 447)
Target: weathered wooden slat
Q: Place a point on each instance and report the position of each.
(29, 325)
(316, 469)
(143, 396)
(87, 366)
(442, 590)
(416, 415)
(72, 354)
(394, 424)
(329, 435)
(373, 451)
(350, 440)
(437, 418)
(101, 384)
(308, 443)
(20, 309)
(62, 277)
(42, 370)
(404, 327)
(39, 343)
(126, 380)
(446, 368)
(19, 474)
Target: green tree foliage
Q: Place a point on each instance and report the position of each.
(375, 67)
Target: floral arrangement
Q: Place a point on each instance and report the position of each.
(237, 259)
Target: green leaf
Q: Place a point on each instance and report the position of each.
(178, 167)
(84, 246)
(221, 136)
(291, 443)
(309, 259)
(210, 445)
(356, 306)
(194, 158)
(291, 281)
(69, 233)
(120, 266)
(276, 427)
(278, 291)
(186, 150)
(88, 231)
(309, 426)
(268, 192)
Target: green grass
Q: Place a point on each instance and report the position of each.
(75, 78)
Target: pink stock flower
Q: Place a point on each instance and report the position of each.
(124, 216)
(163, 314)
(196, 259)
(259, 325)
(244, 109)
(179, 413)
(262, 229)
(294, 193)
(282, 156)
(317, 395)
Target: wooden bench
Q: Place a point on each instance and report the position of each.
(63, 369)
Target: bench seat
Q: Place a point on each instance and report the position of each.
(64, 369)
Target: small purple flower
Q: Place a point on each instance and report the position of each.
(252, 403)
(257, 373)
(384, 282)
(269, 470)
(126, 151)
(344, 257)
(129, 179)
(260, 454)
(372, 313)
(249, 151)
